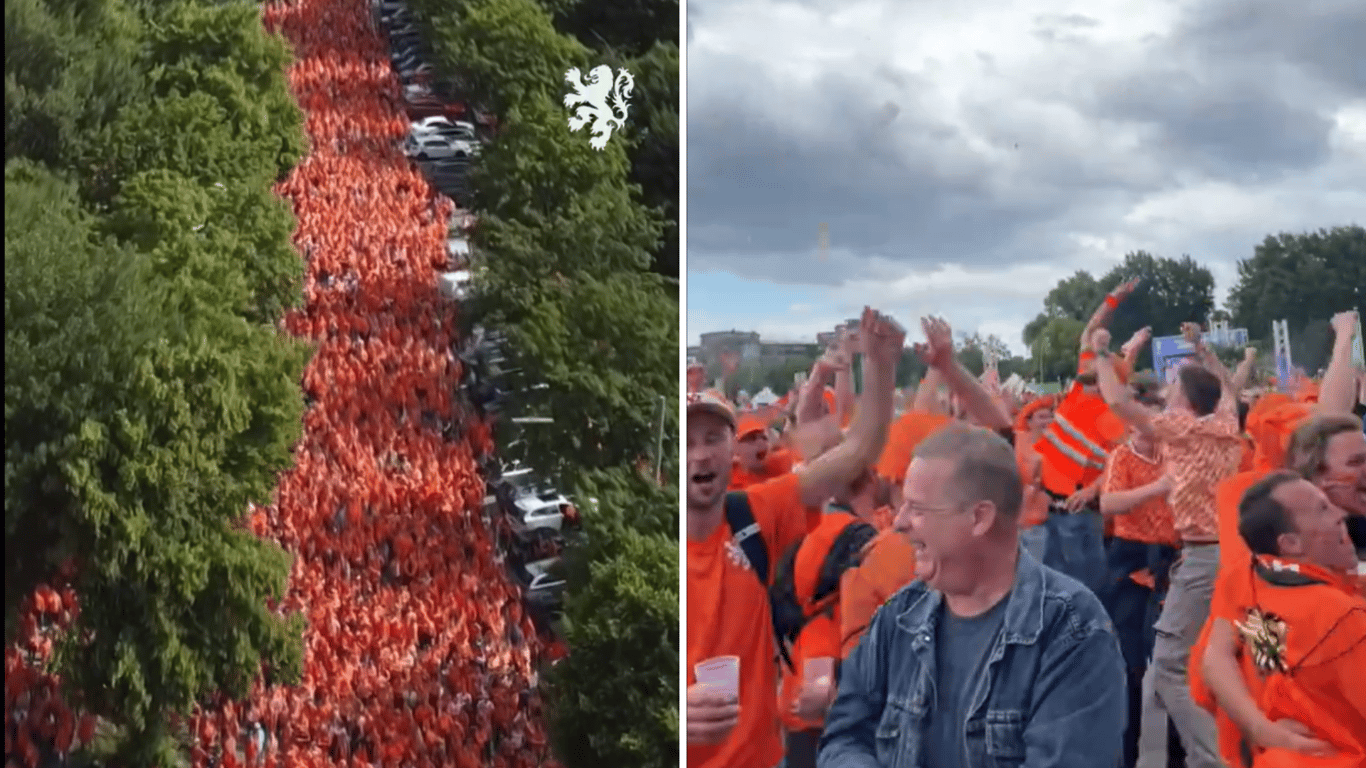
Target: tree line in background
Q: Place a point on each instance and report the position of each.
(1301, 278)
(150, 397)
(577, 255)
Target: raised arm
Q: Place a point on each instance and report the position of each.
(1134, 346)
(1101, 317)
(937, 352)
(1116, 395)
(882, 340)
(927, 394)
(845, 350)
(1336, 393)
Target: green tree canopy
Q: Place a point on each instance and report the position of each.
(1173, 291)
(1303, 279)
(149, 396)
(621, 624)
(141, 419)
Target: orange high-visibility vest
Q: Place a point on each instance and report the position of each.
(1076, 444)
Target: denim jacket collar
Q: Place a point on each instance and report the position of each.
(1023, 621)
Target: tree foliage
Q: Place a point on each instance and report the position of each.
(621, 623)
(1173, 291)
(1303, 279)
(149, 397)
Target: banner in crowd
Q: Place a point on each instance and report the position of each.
(1169, 354)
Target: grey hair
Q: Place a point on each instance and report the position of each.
(984, 466)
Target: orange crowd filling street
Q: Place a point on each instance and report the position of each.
(418, 651)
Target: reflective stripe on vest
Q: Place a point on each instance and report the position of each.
(1073, 455)
(1097, 454)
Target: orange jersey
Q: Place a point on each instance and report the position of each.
(728, 615)
(1034, 507)
(888, 565)
(1315, 677)
(902, 438)
(820, 638)
(1150, 522)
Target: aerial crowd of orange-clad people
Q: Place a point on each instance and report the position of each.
(415, 655)
(1130, 573)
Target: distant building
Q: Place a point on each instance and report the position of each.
(750, 349)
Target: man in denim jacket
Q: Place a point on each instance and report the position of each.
(988, 659)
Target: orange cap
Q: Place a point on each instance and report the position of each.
(749, 424)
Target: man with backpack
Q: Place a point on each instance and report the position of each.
(734, 538)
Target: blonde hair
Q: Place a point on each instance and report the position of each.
(1308, 449)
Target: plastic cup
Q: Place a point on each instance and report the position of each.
(811, 671)
(721, 672)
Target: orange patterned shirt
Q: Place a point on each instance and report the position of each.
(1200, 452)
(1150, 522)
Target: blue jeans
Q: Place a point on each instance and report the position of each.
(1076, 547)
(1133, 607)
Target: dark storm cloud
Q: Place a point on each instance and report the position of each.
(1239, 91)
(1324, 36)
(1233, 128)
(755, 186)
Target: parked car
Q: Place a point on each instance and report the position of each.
(444, 126)
(427, 147)
(455, 285)
(420, 108)
(534, 505)
(417, 74)
(458, 252)
(544, 585)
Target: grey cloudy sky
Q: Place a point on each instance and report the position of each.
(967, 154)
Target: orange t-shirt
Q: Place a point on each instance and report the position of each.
(1034, 509)
(888, 565)
(902, 437)
(1150, 522)
(728, 615)
(820, 638)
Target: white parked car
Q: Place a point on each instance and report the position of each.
(458, 249)
(444, 126)
(543, 587)
(455, 285)
(438, 148)
(535, 507)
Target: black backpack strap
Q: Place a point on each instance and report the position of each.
(846, 552)
(745, 534)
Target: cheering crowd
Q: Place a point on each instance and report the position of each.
(1132, 573)
(417, 649)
